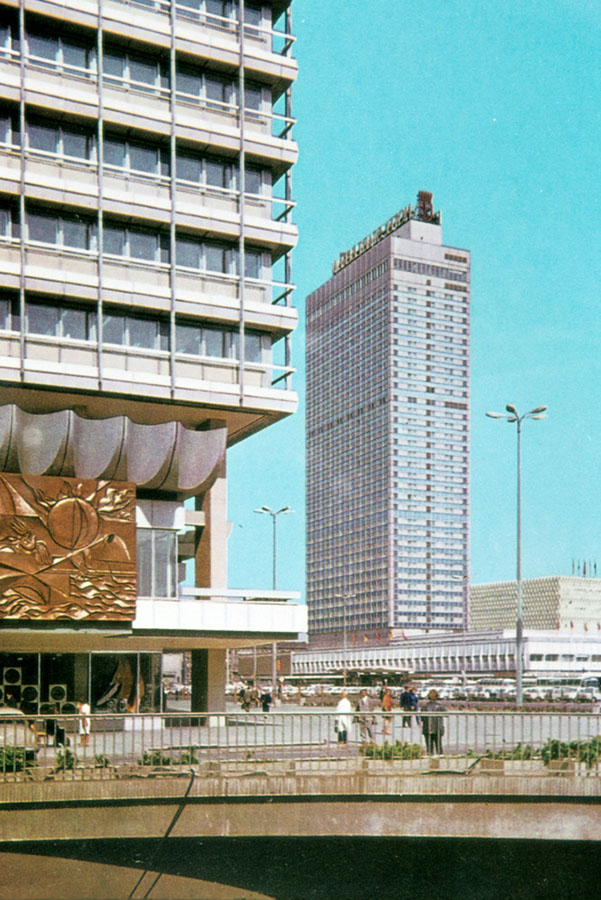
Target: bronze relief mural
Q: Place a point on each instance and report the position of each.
(67, 549)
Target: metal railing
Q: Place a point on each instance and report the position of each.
(459, 742)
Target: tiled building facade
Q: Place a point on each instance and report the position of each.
(387, 434)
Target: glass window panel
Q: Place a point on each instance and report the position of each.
(188, 253)
(164, 335)
(5, 313)
(190, 4)
(142, 333)
(188, 82)
(144, 71)
(214, 258)
(216, 173)
(187, 339)
(213, 342)
(165, 563)
(232, 344)
(76, 143)
(42, 319)
(114, 240)
(165, 161)
(76, 234)
(217, 90)
(218, 7)
(44, 46)
(252, 15)
(5, 221)
(75, 55)
(143, 159)
(113, 329)
(254, 181)
(42, 228)
(43, 137)
(252, 264)
(253, 97)
(114, 64)
(143, 245)
(144, 551)
(252, 347)
(75, 324)
(5, 129)
(189, 168)
(114, 153)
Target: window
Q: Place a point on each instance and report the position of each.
(135, 331)
(141, 71)
(254, 180)
(157, 562)
(9, 226)
(9, 128)
(253, 96)
(199, 340)
(60, 140)
(203, 255)
(135, 156)
(219, 92)
(61, 230)
(58, 51)
(9, 313)
(60, 321)
(221, 8)
(136, 243)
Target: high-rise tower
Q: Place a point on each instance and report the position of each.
(145, 231)
(387, 432)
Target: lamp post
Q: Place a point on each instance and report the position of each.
(266, 510)
(512, 415)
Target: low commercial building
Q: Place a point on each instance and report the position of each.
(476, 653)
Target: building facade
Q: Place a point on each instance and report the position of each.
(557, 602)
(145, 313)
(387, 435)
(471, 653)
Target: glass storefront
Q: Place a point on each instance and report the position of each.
(109, 682)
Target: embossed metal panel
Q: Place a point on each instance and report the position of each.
(67, 549)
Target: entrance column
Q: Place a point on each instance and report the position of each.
(208, 666)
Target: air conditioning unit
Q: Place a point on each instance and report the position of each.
(68, 709)
(57, 692)
(11, 675)
(30, 693)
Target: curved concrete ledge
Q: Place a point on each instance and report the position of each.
(164, 457)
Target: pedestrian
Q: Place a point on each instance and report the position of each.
(387, 707)
(342, 724)
(408, 703)
(365, 719)
(84, 722)
(433, 726)
(266, 699)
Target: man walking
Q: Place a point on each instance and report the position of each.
(408, 703)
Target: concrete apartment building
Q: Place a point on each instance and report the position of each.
(553, 603)
(145, 314)
(387, 436)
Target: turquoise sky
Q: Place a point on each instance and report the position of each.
(495, 108)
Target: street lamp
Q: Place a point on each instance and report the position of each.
(266, 510)
(512, 416)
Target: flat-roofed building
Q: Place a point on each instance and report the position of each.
(562, 602)
(388, 434)
(145, 315)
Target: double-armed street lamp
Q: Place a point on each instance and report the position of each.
(266, 510)
(512, 415)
